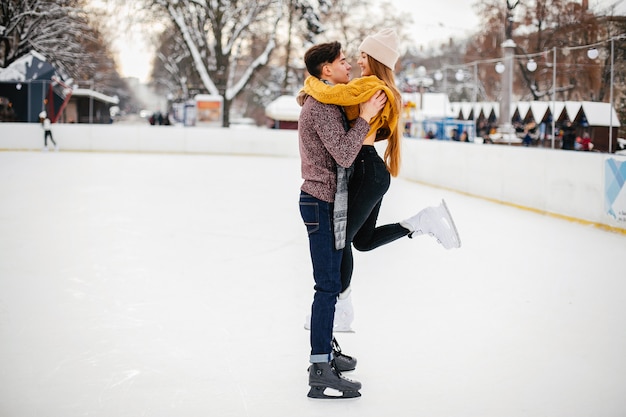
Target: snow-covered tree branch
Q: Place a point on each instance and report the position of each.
(228, 41)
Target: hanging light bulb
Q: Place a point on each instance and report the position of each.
(593, 53)
(531, 65)
(500, 67)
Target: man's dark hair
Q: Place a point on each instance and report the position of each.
(321, 54)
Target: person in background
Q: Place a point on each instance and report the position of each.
(527, 140)
(46, 124)
(586, 143)
(569, 136)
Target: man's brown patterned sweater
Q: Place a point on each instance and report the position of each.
(323, 144)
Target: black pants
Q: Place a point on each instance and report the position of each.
(45, 138)
(369, 183)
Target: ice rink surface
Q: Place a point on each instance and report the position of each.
(177, 285)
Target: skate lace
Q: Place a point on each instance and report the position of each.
(338, 372)
(337, 350)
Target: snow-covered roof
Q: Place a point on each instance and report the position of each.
(558, 107)
(599, 114)
(85, 92)
(434, 104)
(596, 113)
(539, 109)
(468, 109)
(32, 66)
(522, 108)
(284, 108)
(489, 107)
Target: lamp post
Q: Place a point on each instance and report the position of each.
(507, 81)
(553, 94)
(611, 98)
(420, 80)
(531, 65)
(592, 53)
(423, 81)
(475, 98)
(445, 96)
(459, 75)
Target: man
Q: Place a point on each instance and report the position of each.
(569, 136)
(326, 141)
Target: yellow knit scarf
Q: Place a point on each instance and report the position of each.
(350, 95)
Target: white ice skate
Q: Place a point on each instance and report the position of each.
(344, 314)
(436, 222)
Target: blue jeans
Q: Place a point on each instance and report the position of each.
(318, 219)
(368, 184)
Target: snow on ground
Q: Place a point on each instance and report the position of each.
(177, 285)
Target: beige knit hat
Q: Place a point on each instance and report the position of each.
(383, 47)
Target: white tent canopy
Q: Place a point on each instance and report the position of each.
(284, 108)
(599, 114)
(596, 113)
(434, 105)
(539, 109)
(85, 92)
(522, 108)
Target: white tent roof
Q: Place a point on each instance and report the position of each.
(539, 109)
(599, 114)
(85, 92)
(572, 108)
(522, 107)
(435, 104)
(284, 108)
(466, 109)
(457, 110)
(489, 107)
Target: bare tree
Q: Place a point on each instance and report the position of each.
(508, 24)
(304, 24)
(62, 31)
(537, 28)
(53, 28)
(173, 70)
(226, 41)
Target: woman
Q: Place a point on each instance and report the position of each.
(370, 176)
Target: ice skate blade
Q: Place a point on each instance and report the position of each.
(327, 393)
(340, 329)
(456, 239)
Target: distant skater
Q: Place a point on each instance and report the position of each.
(46, 124)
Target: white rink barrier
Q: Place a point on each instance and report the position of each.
(146, 138)
(567, 184)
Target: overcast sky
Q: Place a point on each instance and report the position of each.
(437, 21)
(434, 22)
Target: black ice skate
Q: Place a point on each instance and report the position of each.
(343, 363)
(323, 376)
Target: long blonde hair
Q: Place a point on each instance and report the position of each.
(392, 153)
